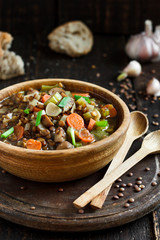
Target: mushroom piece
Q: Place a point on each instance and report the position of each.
(54, 90)
(64, 145)
(46, 121)
(69, 105)
(60, 135)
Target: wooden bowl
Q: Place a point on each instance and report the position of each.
(69, 164)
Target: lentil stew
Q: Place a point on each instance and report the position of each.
(53, 118)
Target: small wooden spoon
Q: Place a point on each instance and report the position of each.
(150, 144)
(138, 126)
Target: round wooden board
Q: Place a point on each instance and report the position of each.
(54, 210)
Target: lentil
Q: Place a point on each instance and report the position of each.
(81, 211)
(119, 180)
(137, 189)
(120, 194)
(147, 169)
(129, 184)
(33, 208)
(115, 197)
(126, 205)
(122, 189)
(131, 200)
(155, 115)
(154, 183)
(130, 174)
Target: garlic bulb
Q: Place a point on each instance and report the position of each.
(144, 46)
(153, 87)
(133, 69)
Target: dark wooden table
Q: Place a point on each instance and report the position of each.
(100, 67)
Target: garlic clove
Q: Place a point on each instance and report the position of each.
(153, 87)
(143, 46)
(133, 69)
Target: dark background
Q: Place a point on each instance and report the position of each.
(112, 21)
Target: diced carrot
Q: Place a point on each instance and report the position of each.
(36, 109)
(45, 98)
(33, 144)
(19, 131)
(80, 94)
(75, 120)
(112, 110)
(85, 135)
(91, 124)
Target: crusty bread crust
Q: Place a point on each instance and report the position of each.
(11, 65)
(5, 41)
(72, 38)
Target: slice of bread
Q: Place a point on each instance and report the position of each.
(72, 38)
(11, 65)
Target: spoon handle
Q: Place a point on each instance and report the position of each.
(99, 200)
(91, 193)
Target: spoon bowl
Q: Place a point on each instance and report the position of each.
(138, 124)
(152, 142)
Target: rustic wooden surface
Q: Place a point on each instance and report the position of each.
(30, 23)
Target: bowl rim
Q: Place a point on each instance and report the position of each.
(8, 148)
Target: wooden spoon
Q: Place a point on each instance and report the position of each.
(150, 144)
(138, 126)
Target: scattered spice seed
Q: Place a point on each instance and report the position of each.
(123, 185)
(155, 115)
(130, 174)
(139, 178)
(110, 83)
(158, 174)
(154, 183)
(122, 189)
(137, 189)
(93, 66)
(117, 186)
(114, 90)
(129, 184)
(145, 109)
(152, 101)
(3, 171)
(81, 211)
(126, 205)
(115, 197)
(119, 180)
(33, 208)
(142, 186)
(131, 200)
(147, 169)
(139, 182)
(98, 75)
(120, 194)
(60, 189)
(22, 187)
(155, 98)
(155, 123)
(153, 71)
(132, 107)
